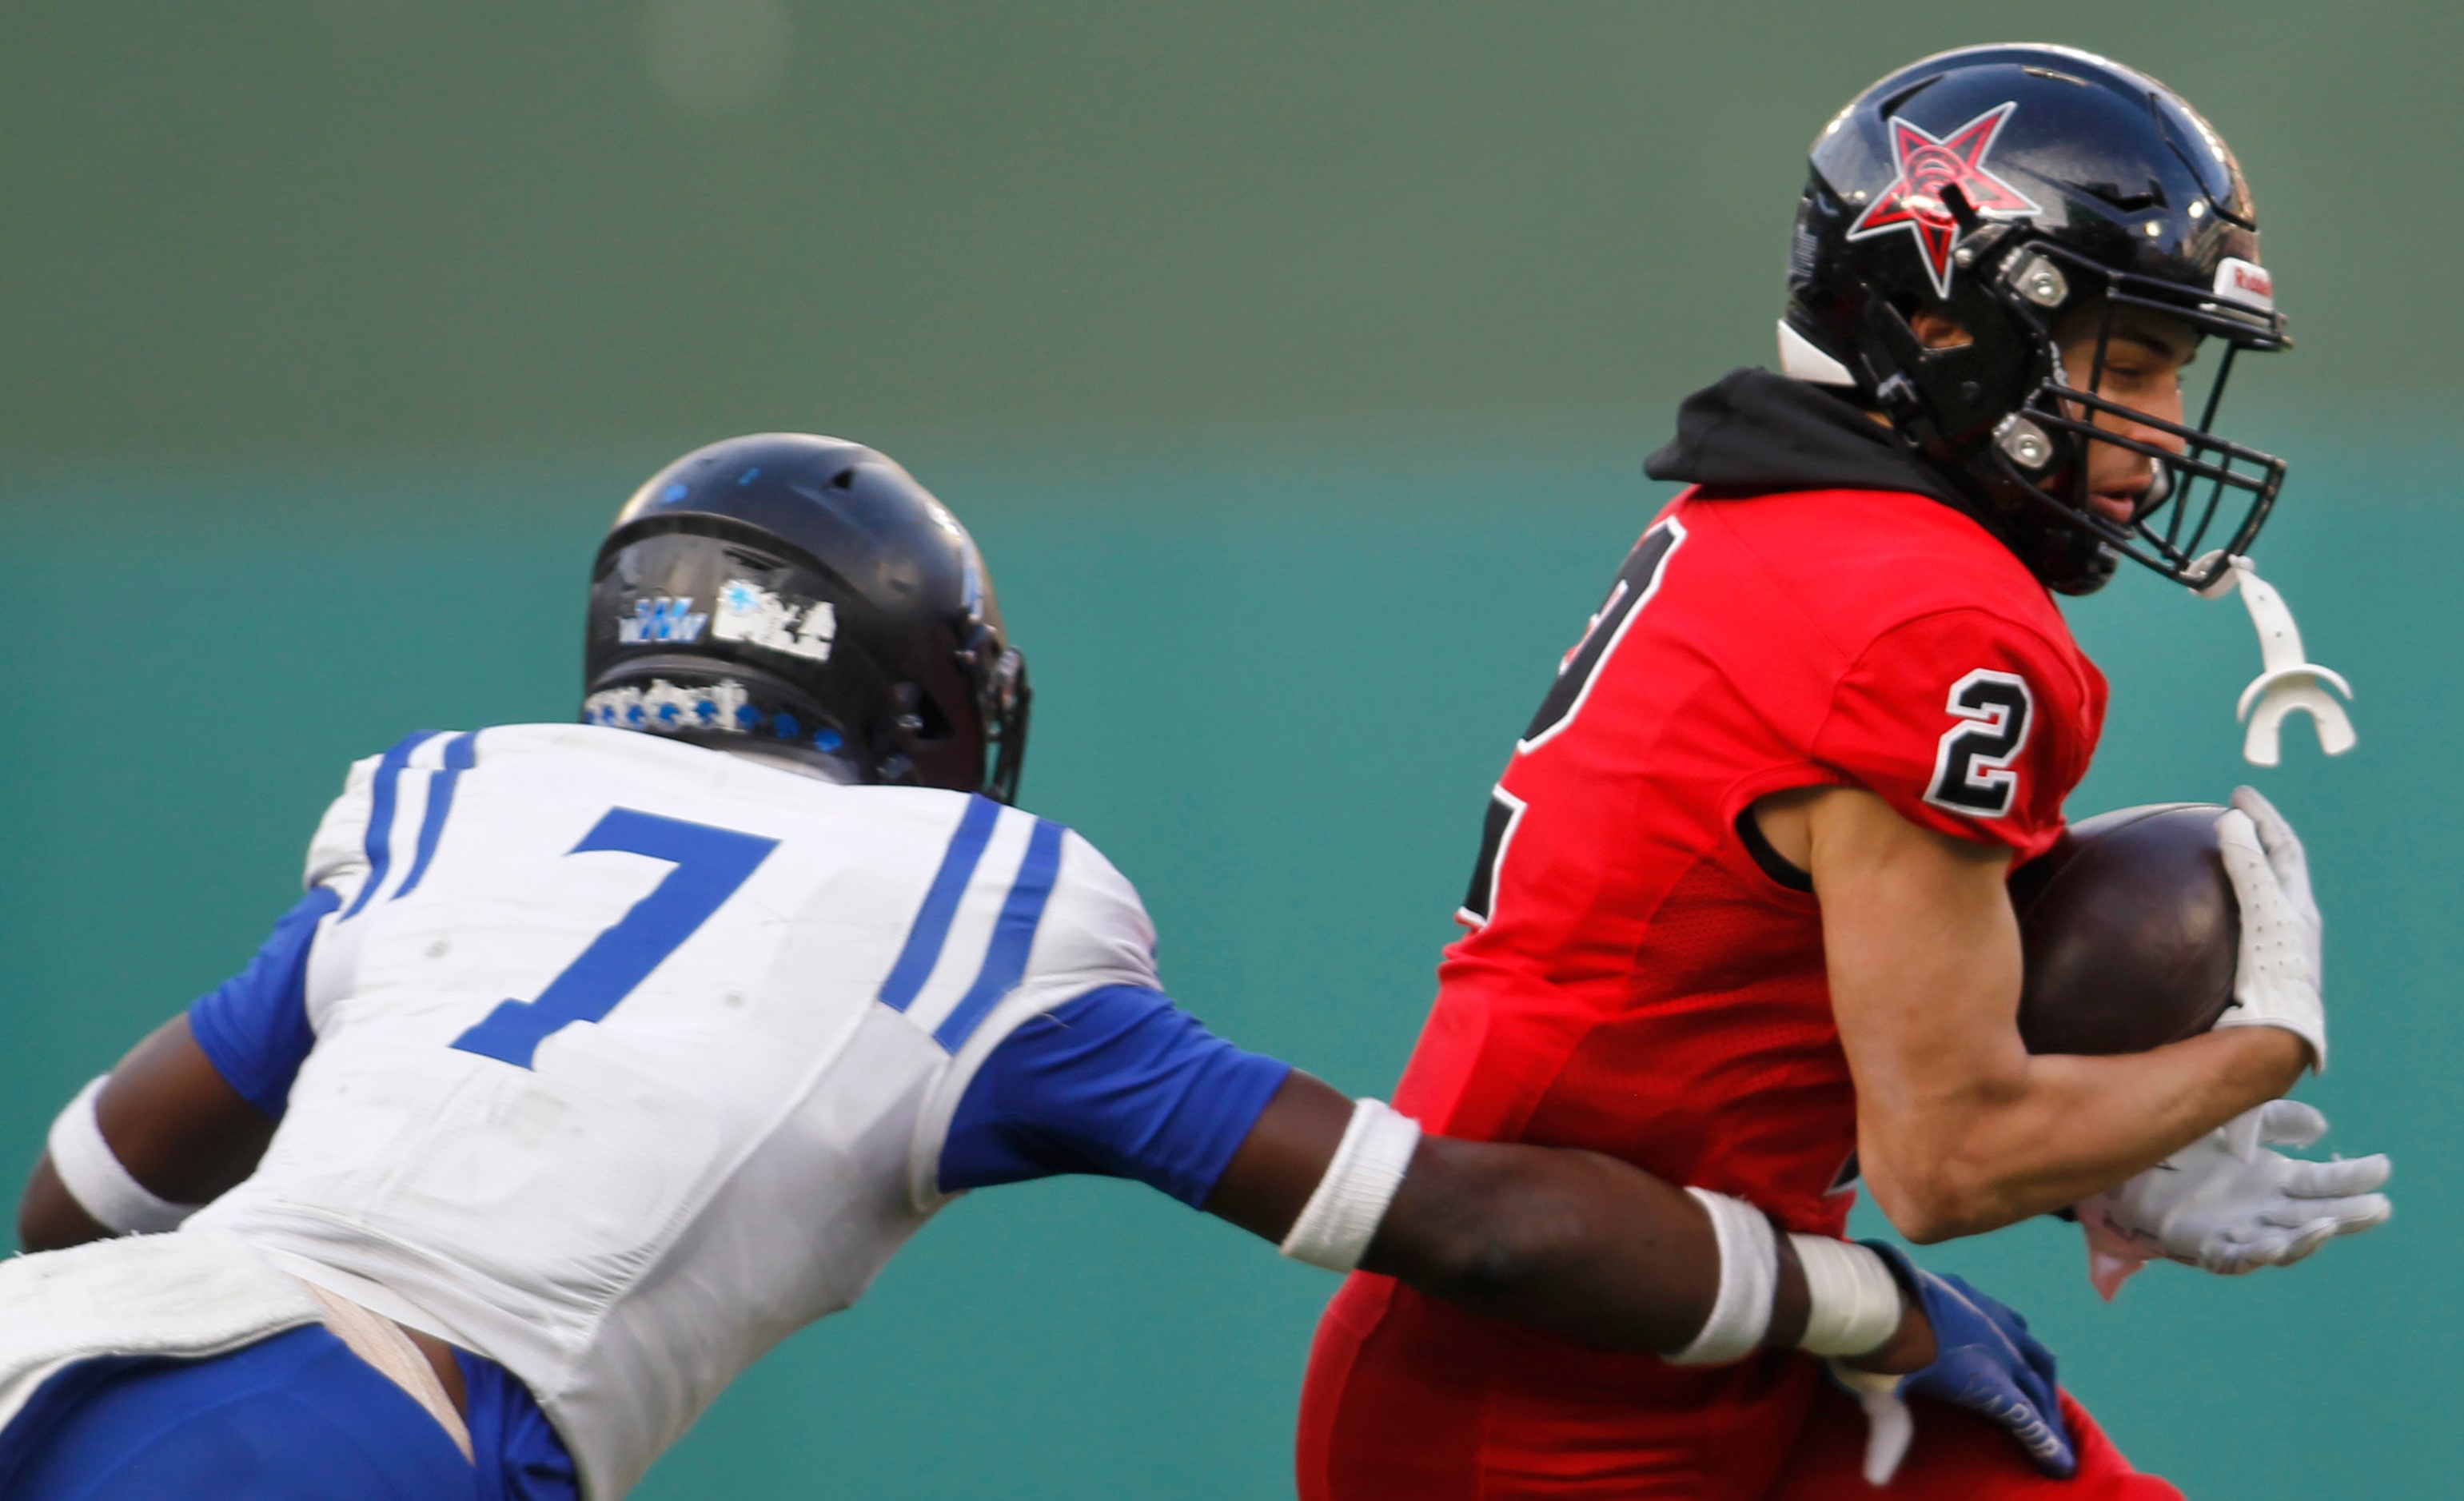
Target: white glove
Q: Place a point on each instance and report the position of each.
(2275, 978)
(2227, 1204)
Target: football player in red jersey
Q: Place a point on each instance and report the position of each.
(1739, 917)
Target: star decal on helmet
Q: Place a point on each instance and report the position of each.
(1930, 165)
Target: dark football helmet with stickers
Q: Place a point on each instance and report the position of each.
(806, 597)
(2010, 187)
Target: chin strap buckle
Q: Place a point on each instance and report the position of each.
(2289, 681)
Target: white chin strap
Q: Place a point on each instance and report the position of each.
(2289, 681)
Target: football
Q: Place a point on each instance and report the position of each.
(2130, 929)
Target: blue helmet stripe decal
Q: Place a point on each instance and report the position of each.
(379, 839)
(924, 941)
(461, 753)
(1013, 936)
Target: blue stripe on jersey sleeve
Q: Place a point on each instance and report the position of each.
(379, 838)
(932, 929)
(255, 1026)
(1004, 963)
(461, 753)
(1119, 1082)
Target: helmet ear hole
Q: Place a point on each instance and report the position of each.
(921, 716)
(931, 723)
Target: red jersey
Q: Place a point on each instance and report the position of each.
(1634, 981)
(1637, 981)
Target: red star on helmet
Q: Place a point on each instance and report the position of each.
(1930, 165)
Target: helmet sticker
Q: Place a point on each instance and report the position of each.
(1929, 166)
(664, 707)
(660, 619)
(753, 615)
(671, 708)
(2247, 283)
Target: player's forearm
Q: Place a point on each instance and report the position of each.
(2063, 1128)
(165, 1134)
(1573, 1243)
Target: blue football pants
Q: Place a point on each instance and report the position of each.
(296, 1417)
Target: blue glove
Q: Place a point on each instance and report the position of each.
(1985, 1360)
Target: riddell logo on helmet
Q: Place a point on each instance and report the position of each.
(1930, 165)
(2238, 280)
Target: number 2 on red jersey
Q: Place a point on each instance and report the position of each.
(1973, 766)
(1636, 581)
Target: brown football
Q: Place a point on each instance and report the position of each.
(2129, 929)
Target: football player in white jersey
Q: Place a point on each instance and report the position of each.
(601, 1056)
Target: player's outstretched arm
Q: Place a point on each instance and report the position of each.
(1960, 1130)
(1600, 1252)
(1573, 1242)
(1120, 1081)
(162, 1133)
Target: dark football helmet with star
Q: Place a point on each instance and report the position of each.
(2008, 187)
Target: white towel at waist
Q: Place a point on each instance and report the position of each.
(190, 1295)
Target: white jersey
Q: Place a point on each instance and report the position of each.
(633, 1058)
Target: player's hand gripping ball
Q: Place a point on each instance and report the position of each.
(2145, 926)
(2276, 982)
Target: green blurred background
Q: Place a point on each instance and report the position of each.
(1293, 363)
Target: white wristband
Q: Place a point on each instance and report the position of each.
(1341, 1217)
(96, 1181)
(1749, 1280)
(1851, 1299)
